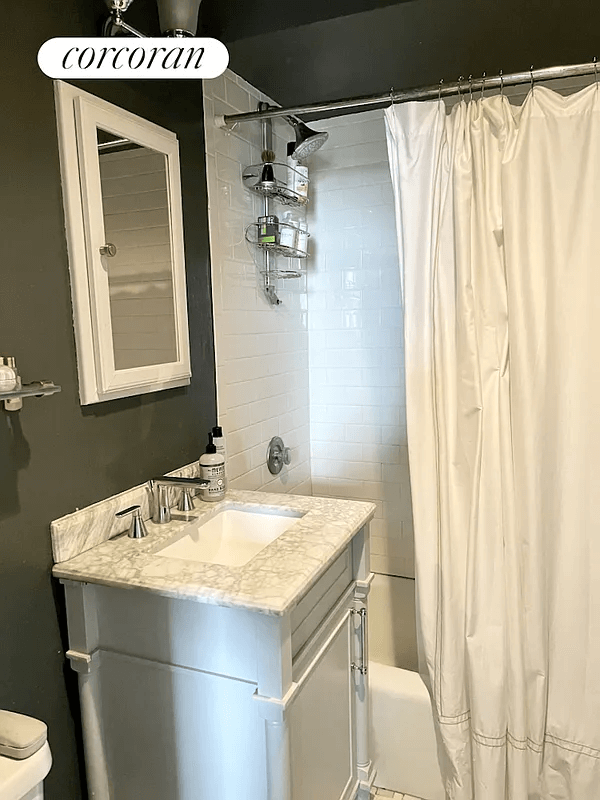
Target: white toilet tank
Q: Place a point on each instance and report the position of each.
(25, 757)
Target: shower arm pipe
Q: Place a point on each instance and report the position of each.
(116, 20)
(420, 93)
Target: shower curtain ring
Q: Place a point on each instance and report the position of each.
(460, 80)
(531, 75)
(471, 88)
(392, 95)
(440, 90)
(482, 84)
(596, 70)
(501, 83)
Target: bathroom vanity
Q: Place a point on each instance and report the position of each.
(241, 677)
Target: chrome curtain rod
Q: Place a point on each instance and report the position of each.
(422, 92)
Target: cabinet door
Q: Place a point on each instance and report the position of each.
(322, 722)
(179, 734)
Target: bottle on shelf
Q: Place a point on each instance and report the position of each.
(268, 229)
(291, 163)
(267, 178)
(8, 377)
(303, 237)
(297, 173)
(301, 180)
(288, 230)
(14, 403)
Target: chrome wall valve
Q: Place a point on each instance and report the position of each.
(277, 455)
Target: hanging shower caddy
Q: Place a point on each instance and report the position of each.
(271, 181)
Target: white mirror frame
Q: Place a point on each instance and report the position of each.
(79, 114)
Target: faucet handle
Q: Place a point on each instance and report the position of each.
(186, 499)
(137, 529)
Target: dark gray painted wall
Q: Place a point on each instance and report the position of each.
(54, 454)
(411, 44)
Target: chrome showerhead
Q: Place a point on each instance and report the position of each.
(308, 141)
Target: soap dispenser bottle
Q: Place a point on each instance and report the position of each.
(212, 469)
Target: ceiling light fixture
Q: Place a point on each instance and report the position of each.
(177, 18)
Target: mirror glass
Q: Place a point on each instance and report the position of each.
(135, 204)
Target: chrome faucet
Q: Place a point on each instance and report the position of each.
(161, 511)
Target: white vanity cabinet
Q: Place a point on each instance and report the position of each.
(185, 700)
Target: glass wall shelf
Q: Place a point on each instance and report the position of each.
(277, 189)
(35, 389)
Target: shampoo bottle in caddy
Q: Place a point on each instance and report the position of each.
(212, 469)
(297, 173)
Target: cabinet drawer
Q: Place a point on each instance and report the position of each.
(319, 600)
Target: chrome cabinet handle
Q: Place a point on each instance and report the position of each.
(362, 667)
(109, 250)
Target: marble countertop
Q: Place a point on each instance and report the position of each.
(272, 582)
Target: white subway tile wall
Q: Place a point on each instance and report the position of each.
(261, 350)
(358, 416)
(342, 333)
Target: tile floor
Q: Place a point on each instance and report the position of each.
(377, 793)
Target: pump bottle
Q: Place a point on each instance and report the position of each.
(212, 469)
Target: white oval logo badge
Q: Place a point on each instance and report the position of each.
(126, 58)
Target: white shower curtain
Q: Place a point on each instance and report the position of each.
(498, 217)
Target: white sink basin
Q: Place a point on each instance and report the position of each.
(231, 537)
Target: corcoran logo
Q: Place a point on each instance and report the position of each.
(127, 58)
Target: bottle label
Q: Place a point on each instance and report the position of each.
(210, 471)
(215, 473)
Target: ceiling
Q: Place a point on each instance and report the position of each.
(230, 20)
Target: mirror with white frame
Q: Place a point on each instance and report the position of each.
(122, 197)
